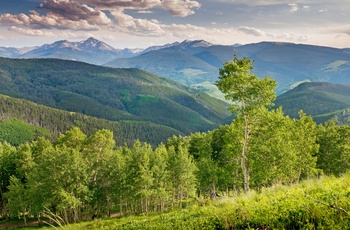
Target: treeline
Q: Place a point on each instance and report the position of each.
(81, 177)
(57, 121)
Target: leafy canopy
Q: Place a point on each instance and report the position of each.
(245, 89)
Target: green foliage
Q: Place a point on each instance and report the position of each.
(323, 101)
(79, 176)
(314, 204)
(244, 88)
(16, 132)
(83, 174)
(59, 121)
(249, 94)
(333, 157)
(124, 95)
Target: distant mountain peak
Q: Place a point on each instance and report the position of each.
(58, 45)
(92, 39)
(152, 48)
(92, 43)
(183, 45)
(195, 43)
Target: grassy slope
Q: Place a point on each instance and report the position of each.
(313, 204)
(112, 94)
(320, 100)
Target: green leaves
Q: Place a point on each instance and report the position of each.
(248, 95)
(333, 157)
(244, 88)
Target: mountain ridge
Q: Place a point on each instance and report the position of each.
(112, 94)
(91, 51)
(196, 63)
(322, 100)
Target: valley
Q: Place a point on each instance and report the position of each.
(196, 63)
(82, 142)
(174, 114)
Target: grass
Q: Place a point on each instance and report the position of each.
(312, 204)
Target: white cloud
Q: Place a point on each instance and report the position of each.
(31, 32)
(180, 8)
(128, 24)
(280, 2)
(293, 7)
(61, 14)
(87, 15)
(75, 11)
(289, 37)
(144, 12)
(274, 35)
(251, 31)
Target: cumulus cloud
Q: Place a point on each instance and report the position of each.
(31, 32)
(61, 14)
(273, 35)
(128, 24)
(180, 8)
(75, 11)
(92, 15)
(49, 21)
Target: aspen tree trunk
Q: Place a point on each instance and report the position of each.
(24, 216)
(244, 152)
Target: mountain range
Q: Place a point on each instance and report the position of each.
(290, 64)
(196, 63)
(122, 95)
(90, 51)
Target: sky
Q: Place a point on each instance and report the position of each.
(144, 23)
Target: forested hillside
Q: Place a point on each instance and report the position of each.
(80, 176)
(16, 113)
(112, 94)
(323, 101)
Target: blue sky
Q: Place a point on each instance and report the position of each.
(143, 23)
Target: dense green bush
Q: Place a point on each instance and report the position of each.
(313, 204)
